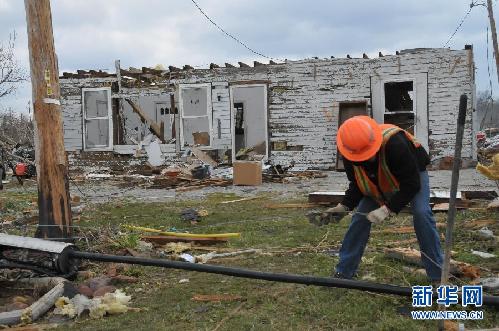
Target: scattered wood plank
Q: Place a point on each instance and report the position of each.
(162, 240)
(203, 157)
(293, 205)
(494, 205)
(444, 207)
(239, 200)
(479, 223)
(485, 195)
(36, 310)
(183, 234)
(203, 258)
(403, 229)
(440, 196)
(216, 297)
(331, 197)
(195, 185)
(134, 253)
(399, 243)
(413, 256)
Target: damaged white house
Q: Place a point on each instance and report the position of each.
(290, 111)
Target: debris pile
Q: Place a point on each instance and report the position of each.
(488, 144)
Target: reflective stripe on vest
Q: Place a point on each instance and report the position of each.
(387, 183)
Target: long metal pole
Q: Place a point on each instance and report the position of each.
(451, 215)
(494, 34)
(269, 276)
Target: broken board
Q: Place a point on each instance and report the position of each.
(203, 157)
(331, 197)
(334, 197)
(162, 240)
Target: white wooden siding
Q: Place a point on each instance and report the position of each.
(303, 99)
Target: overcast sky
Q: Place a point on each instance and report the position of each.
(91, 34)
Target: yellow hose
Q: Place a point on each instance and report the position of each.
(183, 234)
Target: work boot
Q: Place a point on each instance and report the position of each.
(336, 274)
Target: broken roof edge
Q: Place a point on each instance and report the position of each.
(148, 73)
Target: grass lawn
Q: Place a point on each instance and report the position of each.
(288, 244)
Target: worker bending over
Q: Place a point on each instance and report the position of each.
(386, 168)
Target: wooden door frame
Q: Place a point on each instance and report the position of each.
(420, 101)
(233, 116)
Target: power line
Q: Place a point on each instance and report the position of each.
(472, 4)
(229, 34)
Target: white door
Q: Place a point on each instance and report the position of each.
(195, 115)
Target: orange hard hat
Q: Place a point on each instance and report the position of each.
(359, 138)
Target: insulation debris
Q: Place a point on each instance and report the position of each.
(491, 171)
(110, 303)
(177, 248)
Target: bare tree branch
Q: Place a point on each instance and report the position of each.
(11, 72)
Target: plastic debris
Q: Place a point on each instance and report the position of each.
(485, 233)
(183, 280)
(483, 254)
(188, 258)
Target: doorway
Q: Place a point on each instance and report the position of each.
(402, 100)
(249, 119)
(347, 110)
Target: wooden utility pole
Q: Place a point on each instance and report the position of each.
(494, 35)
(52, 173)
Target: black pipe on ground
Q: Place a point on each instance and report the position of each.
(270, 276)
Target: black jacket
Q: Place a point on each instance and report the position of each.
(404, 161)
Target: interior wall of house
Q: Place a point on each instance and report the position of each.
(151, 105)
(254, 113)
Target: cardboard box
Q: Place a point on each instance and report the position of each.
(247, 173)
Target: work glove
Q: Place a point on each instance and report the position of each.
(334, 215)
(379, 215)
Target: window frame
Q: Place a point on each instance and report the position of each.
(400, 80)
(109, 118)
(209, 113)
(414, 96)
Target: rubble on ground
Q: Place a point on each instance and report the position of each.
(413, 256)
(488, 145)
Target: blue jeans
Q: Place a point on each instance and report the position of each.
(356, 238)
